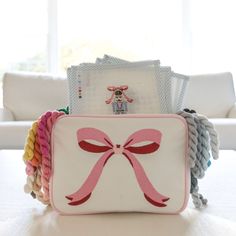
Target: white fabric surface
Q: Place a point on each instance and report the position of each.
(232, 112)
(226, 129)
(6, 115)
(13, 134)
(117, 189)
(211, 94)
(27, 96)
(21, 215)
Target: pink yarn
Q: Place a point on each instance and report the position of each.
(44, 135)
(29, 168)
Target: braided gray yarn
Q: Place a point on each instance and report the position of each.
(202, 158)
(202, 139)
(198, 200)
(203, 150)
(214, 141)
(192, 136)
(198, 171)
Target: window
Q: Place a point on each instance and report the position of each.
(211, 35)
(23, 40)
(133, 30)
(50, 35)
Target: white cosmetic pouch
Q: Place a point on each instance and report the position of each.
(119, 163)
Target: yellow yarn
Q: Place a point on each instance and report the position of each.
(29, 146)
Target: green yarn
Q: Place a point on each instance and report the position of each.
(65, 110)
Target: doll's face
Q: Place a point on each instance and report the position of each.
(118, 96)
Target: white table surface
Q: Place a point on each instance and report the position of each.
(22, 216)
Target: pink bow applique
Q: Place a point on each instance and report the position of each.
(128, 151)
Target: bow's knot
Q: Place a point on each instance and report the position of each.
(118, 149)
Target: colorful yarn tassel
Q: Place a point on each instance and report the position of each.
(37, 156)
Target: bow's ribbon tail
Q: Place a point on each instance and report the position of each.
(112, 89)
(108, 101)
(127, 98)
(150, 193)
(85, 191)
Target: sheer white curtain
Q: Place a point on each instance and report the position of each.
(193, 36)
(211, 32)
(130, 29)
(23, 40)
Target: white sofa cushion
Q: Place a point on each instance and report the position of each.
(5, 115)
(27, 96)
(211, 94)
(232, 112)
(13, 134)
(226, 128)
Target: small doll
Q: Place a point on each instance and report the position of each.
(119, 99)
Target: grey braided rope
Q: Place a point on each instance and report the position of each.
(212, 144)
(214, 140)
(203, 150)
(201, 141)
(198, 200)
(192, 136)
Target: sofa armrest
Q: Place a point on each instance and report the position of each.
(232, 112)
(6, 115)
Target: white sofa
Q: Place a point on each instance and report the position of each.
(27, 96)
(213, 95)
